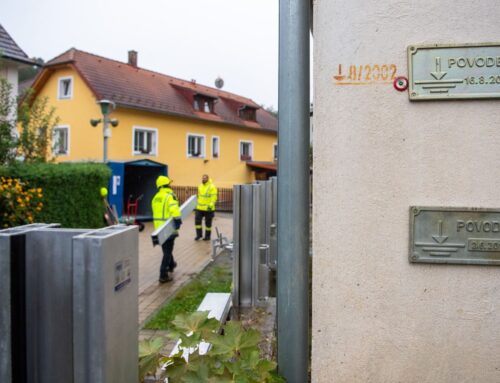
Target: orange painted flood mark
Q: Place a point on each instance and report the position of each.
(367, 74)
(340, 76)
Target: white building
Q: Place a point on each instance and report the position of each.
(12, 57)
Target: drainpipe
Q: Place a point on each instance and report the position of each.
(293, 192)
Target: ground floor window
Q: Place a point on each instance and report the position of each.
(215, 147)
(145, 140)
(195, 146)
(60, 140)
(246, 150)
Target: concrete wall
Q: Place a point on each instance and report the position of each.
(376, 317)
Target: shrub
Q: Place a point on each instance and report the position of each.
(233, 357)
(7, 123)
(37, 120)
(71, 191)
(19, 204)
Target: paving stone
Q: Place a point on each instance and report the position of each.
(191, 257)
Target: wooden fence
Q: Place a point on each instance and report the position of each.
(224, 200)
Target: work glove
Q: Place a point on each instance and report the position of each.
(177, 223)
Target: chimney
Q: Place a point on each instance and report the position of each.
(132, 58)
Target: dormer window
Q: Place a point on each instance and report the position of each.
(65, 89)
(204, 103)
(208, 106)
(248, 113)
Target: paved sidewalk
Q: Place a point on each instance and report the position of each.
(191, 257)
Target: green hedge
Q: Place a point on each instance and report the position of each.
(70, 191)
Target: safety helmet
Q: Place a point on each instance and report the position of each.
(162, 181)
(104, 192)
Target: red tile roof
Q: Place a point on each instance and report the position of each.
(137, 88)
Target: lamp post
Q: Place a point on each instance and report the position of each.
(106, 108)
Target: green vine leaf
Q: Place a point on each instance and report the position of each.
(149, 355)
(235, 341)
(233, 358)
(151, 346)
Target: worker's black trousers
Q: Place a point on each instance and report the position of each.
(209, 216)
(168, 257)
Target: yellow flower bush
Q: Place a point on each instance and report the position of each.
(19, 204)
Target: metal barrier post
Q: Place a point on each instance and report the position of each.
(245, 247)
(69, 299)
(236, 244)
(105, 305)
(5, 321)
(49, 304)
(273, 229)
(13, 302)
(293, 199)
(262, 218)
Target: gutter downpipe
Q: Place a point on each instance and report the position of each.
(293, 191)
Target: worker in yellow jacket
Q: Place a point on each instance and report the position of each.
(207, 197)
(165, 205)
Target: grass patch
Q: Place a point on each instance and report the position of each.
(216, 278)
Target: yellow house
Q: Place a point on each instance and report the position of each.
(192, 128)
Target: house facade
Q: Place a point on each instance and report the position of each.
(193, 129)
(12, 57)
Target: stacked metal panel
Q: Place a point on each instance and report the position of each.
(49, 305)
(254, 242)
(69, 301)
(13, 311)
(105, 306)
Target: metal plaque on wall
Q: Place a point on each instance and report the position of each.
(454, 71)
(468, 236)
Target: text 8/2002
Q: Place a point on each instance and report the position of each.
(375, 72)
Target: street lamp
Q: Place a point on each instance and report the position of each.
(106, 108)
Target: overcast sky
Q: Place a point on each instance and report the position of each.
(190, 39)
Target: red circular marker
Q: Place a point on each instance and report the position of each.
(400, 83)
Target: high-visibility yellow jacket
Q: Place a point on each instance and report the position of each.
(207, 196)
(164, 206)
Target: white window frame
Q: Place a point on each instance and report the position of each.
(61, 96)
(204, 144)
(275, 152)
(218, 147)
(154, 146)
(54, 143)
(251, 149)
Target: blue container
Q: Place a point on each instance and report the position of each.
(131, 179)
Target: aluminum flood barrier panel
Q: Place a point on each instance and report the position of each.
(69, 300)
(13, 347)
(273, 228)
(105, 307)
(254, 241)
(49, 304)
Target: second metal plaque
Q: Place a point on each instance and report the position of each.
(454, 71)
(455, 235)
